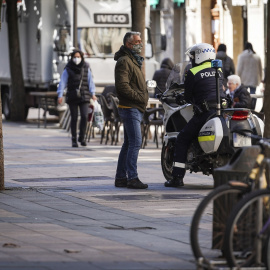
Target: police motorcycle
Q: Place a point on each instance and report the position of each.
(215, 143)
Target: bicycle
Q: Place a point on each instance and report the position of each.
(266, 256)
(208, 223)
(247, 230)
(247, 234)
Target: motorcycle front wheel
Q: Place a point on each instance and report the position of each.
(167, 159)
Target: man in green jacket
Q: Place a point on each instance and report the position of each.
(133, 97)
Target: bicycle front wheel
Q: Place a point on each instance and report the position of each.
(244, 240)
(208, 223)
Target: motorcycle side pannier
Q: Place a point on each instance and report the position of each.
(210, 135)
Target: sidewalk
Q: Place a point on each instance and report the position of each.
(60, 209)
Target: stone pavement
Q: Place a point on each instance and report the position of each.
(60, 209)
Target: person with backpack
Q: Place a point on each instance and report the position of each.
(161, 75)
(227, 63)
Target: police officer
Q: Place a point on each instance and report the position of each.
(200, 91)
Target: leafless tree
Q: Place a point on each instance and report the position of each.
(138, 20)
(17, 103)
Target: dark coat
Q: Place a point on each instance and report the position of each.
(200, 84)
(241, 98)
(130, 84)
(161, 75)
(227, 65)
(76, 73)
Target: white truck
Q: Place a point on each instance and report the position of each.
(101, 28)
(46, 39)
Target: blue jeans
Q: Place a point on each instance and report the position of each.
(252, 90)
(127, 160)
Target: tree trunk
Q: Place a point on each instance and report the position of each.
(138, 21)
(0, 14)
(2, 185)
(267, 79)
(17, 103)
(2, 170)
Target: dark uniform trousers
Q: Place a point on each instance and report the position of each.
(184, 139)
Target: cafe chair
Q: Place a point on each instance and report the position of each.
(108, 119)
(113, 100)
(48, 104)
(65, 118)
(108, 89)
(90, 131)
(90, 127)
(152, 117)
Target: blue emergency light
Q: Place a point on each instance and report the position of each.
(216, 63)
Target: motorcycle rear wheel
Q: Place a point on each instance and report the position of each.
(167, 159)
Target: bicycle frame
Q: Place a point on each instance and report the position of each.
(259, 180)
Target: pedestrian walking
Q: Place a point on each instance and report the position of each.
(238, 93)
(227, 63)
(161, 75)
(77, 78)
(133, 97)
(249, 68)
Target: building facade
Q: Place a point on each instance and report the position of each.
(186, 22)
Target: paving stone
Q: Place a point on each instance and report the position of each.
(58, 198)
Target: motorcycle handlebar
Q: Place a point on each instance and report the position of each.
(171, 100)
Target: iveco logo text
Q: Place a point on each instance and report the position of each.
(111, 18)
(208, 74)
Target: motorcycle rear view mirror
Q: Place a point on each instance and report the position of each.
(151, 84)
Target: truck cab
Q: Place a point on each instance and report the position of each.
(101, 27)
(46, 39)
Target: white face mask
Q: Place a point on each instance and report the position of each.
(77, 60)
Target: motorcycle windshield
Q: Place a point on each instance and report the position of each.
(177, 77)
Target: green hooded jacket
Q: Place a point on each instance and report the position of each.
(130, 84)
